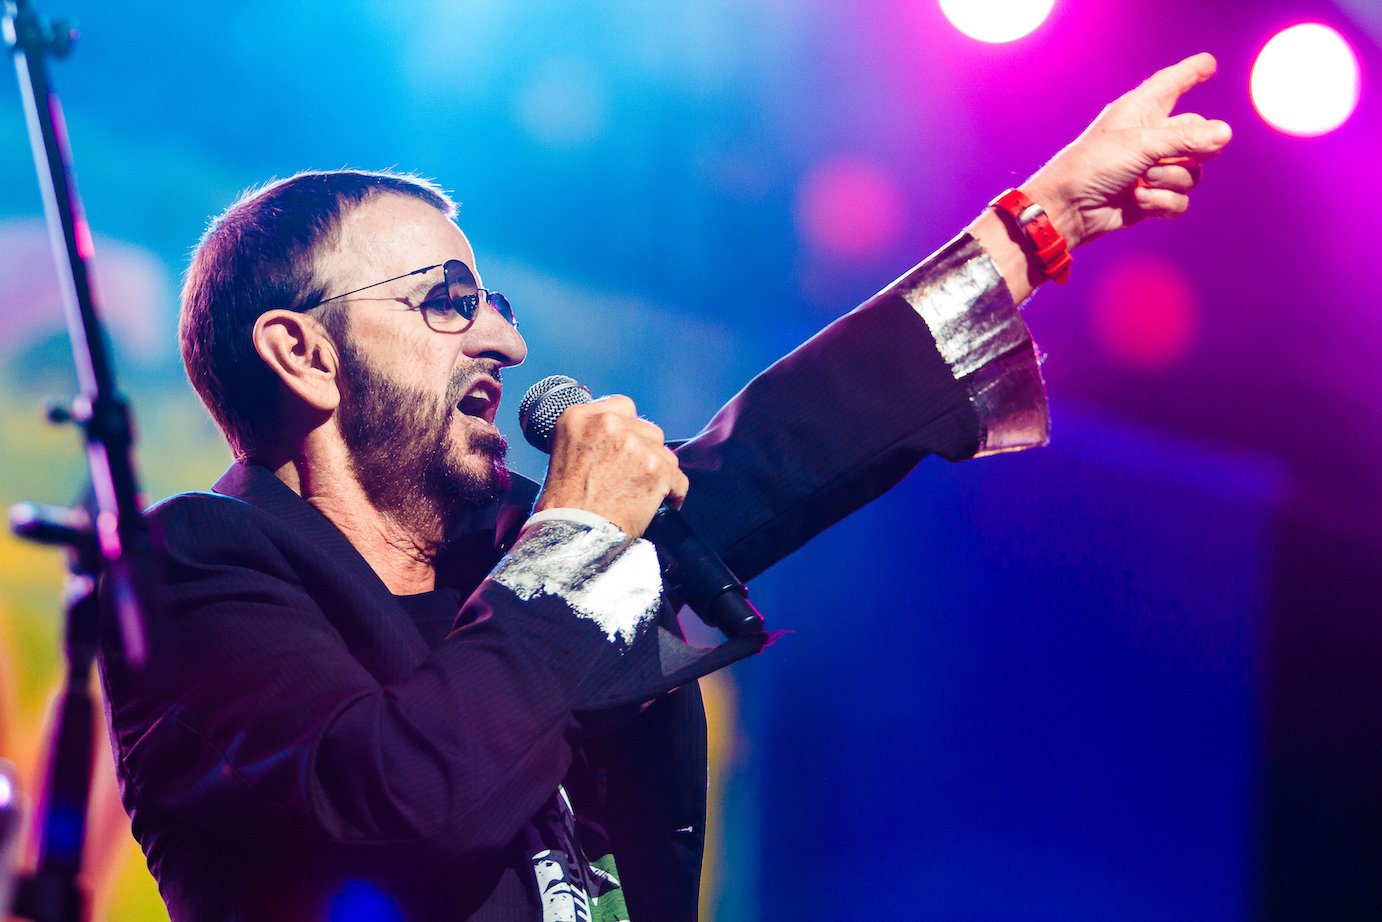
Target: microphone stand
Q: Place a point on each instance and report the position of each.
(106, 540)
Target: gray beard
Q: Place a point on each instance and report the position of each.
(399, 441)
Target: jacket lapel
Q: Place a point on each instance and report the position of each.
(473, 547)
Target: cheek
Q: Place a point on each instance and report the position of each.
(428, 364)
(416, 362)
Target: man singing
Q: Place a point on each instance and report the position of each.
(389, 674)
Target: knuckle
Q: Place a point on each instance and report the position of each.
(619, 403)
(566, 424)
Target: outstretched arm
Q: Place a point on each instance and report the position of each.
(940, 361)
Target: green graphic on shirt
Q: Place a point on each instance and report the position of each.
(570, 886)
(565, 898)
(609, 905)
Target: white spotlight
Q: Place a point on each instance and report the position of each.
(1306, 80)
(996, 21)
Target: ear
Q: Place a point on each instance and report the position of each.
(298, 349)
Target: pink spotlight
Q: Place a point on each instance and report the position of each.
(1306, 80)
(850, 208)
(1145, 312)
(996, 21)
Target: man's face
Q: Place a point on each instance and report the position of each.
(417, 405)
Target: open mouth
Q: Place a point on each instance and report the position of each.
(482, 401)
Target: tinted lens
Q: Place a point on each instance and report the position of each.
(464, 295)
(501, 304)
(460, 287)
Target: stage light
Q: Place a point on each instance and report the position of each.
(996, 21)
(849, 208)
(1145, 312)
(1306, 80)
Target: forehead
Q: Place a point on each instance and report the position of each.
(389, 234)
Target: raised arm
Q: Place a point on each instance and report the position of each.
(940, 361)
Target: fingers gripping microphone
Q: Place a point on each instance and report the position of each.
(691, 569)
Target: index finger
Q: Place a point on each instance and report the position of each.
(1168, 85)
(617, 404)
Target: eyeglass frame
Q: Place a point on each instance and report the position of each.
(452, 301)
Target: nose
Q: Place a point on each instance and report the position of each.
(491, 336)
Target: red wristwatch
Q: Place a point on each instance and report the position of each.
(1031, 219)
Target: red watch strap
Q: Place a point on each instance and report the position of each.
(1036, 226)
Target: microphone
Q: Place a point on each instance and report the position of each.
(691, 569)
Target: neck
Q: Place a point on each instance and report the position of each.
(401, 550)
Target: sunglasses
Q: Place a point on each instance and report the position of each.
(454, 308)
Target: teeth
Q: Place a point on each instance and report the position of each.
(479, 402)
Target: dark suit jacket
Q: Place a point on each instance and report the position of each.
(296, 735)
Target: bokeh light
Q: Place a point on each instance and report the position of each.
(849, 208)
(6, 790)
(1145, 312)
(563, 103)
(996, 21)
(132, 285)
(362, 901)
(1306, 80)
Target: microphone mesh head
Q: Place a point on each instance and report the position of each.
(544, 403)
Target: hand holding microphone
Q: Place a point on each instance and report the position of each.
(608, 461)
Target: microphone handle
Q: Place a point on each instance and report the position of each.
(698, 575)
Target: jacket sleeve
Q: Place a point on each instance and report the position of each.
(260, 717)
(939, 362)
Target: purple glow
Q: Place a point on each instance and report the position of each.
(996, 21)
(1306, 80)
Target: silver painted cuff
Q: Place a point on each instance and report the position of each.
(595, 570)
(960, 294)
